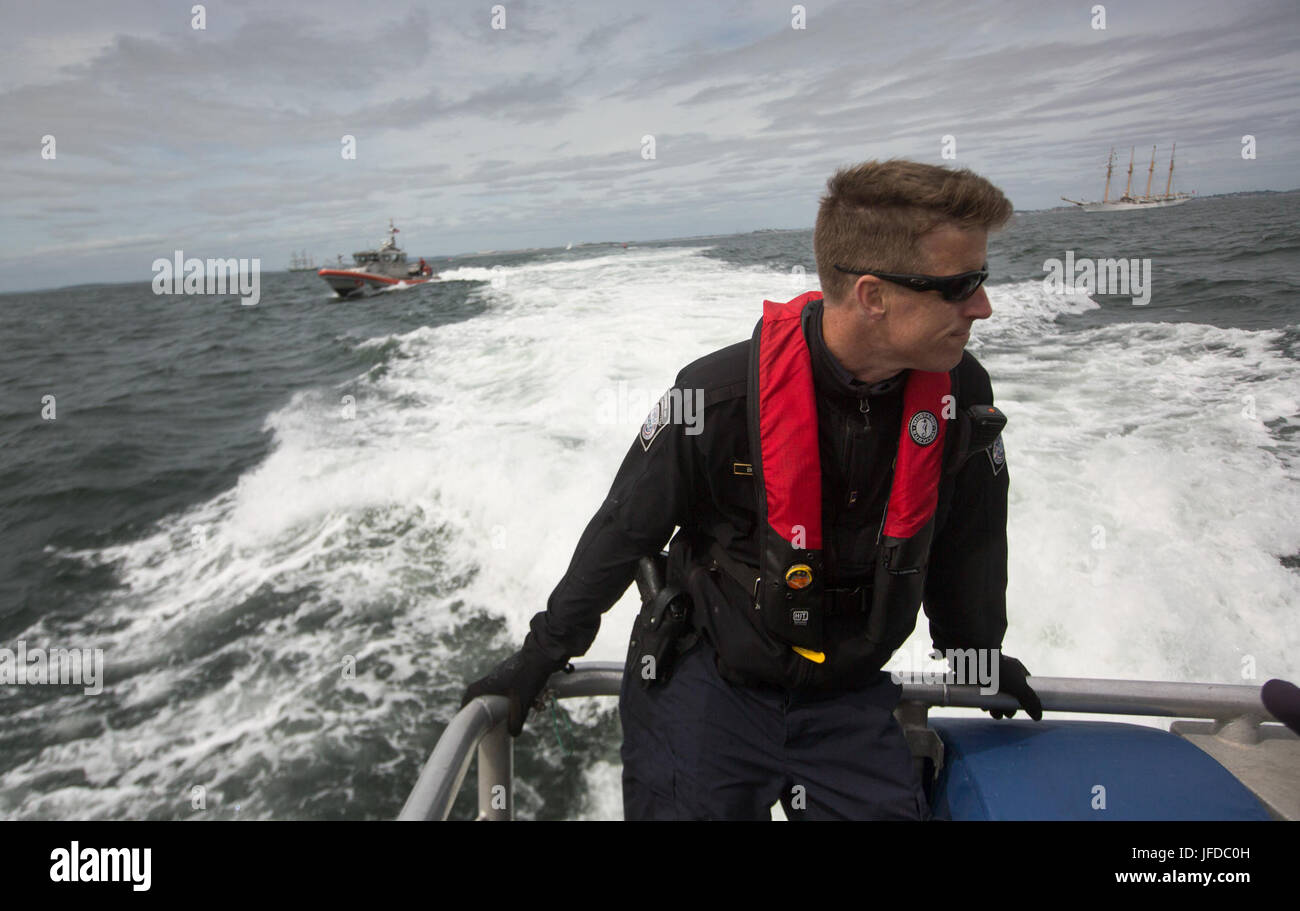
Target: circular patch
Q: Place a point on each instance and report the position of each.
(923, 428)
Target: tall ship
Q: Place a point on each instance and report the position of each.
(380, 268)
(1128, 201)
(302, 262)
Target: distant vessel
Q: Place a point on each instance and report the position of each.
(1128, 201)
(380, 268)
(302, 263)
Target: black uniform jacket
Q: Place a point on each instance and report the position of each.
(693, 478)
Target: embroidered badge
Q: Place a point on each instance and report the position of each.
(655, 421)
(997, 455)
(924, 428)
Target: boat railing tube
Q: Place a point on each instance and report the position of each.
(481, 724)
(1217, 701)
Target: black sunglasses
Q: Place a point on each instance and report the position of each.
(956, 288)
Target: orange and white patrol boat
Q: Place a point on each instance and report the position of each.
(382, 268)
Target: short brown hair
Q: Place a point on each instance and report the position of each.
(874, 214)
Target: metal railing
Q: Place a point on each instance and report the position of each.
(481, 725)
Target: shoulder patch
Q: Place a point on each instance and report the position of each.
(997, 455)
(655, 422)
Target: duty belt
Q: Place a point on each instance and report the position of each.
(836, 602)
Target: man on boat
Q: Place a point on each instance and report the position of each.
(847, 467)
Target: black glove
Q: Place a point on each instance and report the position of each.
(1011, 680)
(519, 678)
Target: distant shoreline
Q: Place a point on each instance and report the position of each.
(443, 257)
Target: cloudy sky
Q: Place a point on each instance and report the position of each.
(227, 140)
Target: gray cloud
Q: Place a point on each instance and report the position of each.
(468, 134)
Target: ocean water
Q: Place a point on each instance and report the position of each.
(298, 529)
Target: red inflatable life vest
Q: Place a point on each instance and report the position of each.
(787, 467)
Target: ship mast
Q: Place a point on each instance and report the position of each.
(1169, 183)
(1110, 166)
(1150, 171)
(1129, 186)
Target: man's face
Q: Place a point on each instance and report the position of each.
(923, 331)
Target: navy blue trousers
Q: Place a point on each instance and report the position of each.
(699, 747)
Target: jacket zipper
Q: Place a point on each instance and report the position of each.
(846, 458)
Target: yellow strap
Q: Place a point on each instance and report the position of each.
(814, 657)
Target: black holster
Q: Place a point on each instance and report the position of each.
(662, 631)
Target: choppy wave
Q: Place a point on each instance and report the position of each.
(408, 524)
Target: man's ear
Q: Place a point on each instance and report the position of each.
(868, 296)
